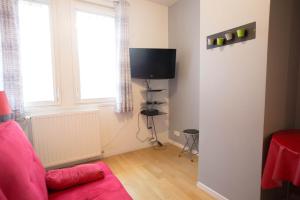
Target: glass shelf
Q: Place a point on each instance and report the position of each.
(155, 90)
(144, 112)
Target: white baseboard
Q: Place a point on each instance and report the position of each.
(177, 144)
(210, 191)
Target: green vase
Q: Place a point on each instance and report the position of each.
(241, 33)
(220, 41)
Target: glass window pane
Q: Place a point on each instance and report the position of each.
(36, 51)
(97, 52)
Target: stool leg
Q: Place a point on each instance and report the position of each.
(191, 151)
(193, 144)
(185, 145)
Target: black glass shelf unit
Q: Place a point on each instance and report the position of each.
(151, 114)
(154, 102)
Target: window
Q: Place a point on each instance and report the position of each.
(36, 51)
(67, 47)
(96, 48)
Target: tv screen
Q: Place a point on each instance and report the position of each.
(152, 63)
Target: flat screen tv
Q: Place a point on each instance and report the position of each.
(152, 63)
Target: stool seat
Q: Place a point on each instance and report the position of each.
(191, 131)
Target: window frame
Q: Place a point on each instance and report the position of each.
(65, 66)
(55, 74)
(93, 8)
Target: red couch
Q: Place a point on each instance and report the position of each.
(22, 176)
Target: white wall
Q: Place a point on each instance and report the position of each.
(232, 99)
(148, 29)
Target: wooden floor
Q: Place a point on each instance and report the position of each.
(150, 174)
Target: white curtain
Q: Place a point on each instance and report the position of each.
(12, 81)
(124, 102)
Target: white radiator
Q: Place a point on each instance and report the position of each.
(65, 138)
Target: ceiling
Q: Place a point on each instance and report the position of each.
(165, 2)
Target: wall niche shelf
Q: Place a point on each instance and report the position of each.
(229, 37)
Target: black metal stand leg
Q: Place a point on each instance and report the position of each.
(150, 127)
(153, 128)
(155, 133)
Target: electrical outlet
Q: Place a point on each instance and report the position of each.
(177, 133)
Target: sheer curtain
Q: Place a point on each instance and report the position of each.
(124, 102)
(10, 56)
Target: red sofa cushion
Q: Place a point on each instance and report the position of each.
(108, 188)
(64, 178)
(22, 176)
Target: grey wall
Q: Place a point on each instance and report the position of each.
(184, 31)
(283, 65)
(282, 74)
(232, 99)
